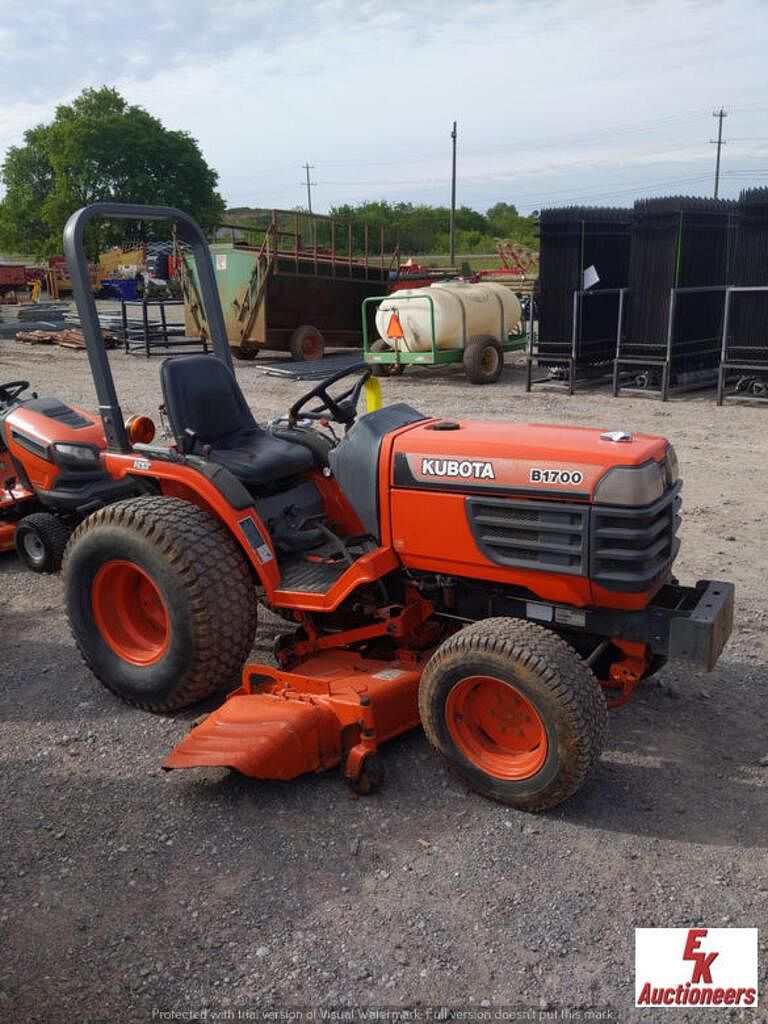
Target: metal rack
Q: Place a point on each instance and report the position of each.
(151, 333)
(676, 365)
(750, 361)
(586, 359)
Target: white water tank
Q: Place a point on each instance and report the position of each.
(461, 311)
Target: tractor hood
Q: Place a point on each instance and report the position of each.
(536, 460)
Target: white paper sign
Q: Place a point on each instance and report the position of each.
(591, 277)
(221, 261)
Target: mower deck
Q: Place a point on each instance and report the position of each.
(279, 724)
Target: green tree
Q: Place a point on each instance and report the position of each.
(505, 222)
(425, 229)
(100, 148)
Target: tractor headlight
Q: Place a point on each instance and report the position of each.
(80, 456)
(631, 485)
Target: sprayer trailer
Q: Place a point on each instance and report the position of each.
(446, 322)
(499, 583)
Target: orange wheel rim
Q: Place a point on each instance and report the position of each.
(130, 613)
(496, 728)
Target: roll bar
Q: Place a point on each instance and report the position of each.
(190, 232)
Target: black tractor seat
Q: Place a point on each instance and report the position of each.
(204, 402)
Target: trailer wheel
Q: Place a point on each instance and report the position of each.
(306, 344)
(483, 359)
(515, 712)
(161, 601)
(385, 369)
(40, 541)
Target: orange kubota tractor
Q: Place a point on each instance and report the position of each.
(500, 583)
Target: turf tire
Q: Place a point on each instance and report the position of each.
(40, 541)
(204, 580)
(549, 673)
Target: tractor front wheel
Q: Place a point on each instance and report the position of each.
(160, 600)
(515, 711)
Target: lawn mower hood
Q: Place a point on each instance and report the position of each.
(48, 437)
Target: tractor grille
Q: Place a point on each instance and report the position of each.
(531, 534)
(632, 547)
(624, 549)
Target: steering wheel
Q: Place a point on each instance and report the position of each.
(10, 392)
(342, 408)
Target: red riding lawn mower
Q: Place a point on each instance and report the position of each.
(45, 488)
(499, 583)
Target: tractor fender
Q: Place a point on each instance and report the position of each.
(212, 488)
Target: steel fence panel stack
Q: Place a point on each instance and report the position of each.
(681, 262)
(744, 357)
(584, 261)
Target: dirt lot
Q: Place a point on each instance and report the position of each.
(125, 893)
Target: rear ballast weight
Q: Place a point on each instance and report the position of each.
(499, 583)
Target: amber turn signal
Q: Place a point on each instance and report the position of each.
(141, 430)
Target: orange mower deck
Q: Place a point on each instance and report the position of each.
(279, 724)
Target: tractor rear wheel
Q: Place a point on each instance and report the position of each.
(306, 344)
(161, 601)
(483, 359)
(515, 711)
(40, 541)
(385, 369)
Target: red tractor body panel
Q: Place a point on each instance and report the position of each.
(435, 469)
(29, 435)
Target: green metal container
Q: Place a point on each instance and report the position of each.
(290, 289)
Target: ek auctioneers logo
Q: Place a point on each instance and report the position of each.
(696, 967)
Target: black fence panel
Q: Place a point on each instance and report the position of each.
(575, 240)
(584, 263)
(749, 317)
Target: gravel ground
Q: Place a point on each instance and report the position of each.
(126, 893)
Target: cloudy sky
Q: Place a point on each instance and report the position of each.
(557, 101)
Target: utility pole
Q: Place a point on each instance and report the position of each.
(719, 114)
(453, 199)
(309, 167)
